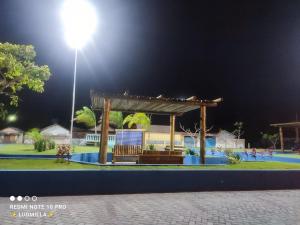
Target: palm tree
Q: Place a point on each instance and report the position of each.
(87, 117)
(34, 134)
(138, 119)
(116, 118)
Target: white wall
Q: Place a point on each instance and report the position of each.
(18, 139)
(57, 133)
(222, 142)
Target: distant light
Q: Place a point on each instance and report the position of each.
(80, 21)
(11, 118)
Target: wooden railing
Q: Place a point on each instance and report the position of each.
(161, 157)
(159, 153)
(134, 153)
(127, 149)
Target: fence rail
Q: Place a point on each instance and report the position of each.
(95, 138)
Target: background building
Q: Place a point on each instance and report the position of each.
(57, 133)
(225, 139)
(11, 135)
(159, 136)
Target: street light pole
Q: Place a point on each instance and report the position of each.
(73, 97)
(80, 21)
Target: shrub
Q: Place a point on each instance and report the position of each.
(151, 147)
(34, 134)
(63, 150)
(233, 158)
(40, 145)
(44, 144)
(228, 152)
(186, 151)
(213, 151)
(189, 151)
(51, 144)
(40, 142)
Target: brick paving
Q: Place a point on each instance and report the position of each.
(209, 208)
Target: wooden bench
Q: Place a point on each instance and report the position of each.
(126, 153)
(160, 157)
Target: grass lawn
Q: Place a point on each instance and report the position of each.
(28, 149)
(40, 164)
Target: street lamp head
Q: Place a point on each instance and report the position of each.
(11, 118)
(79, 20)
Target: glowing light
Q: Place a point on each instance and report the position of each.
(11, 118)
(80, 22)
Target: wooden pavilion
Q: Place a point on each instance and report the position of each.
(151, 105)
(290, 125)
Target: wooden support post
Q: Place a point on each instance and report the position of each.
(281, 139)
(203, 133)
(172, 131)
(104, 131)
(144, 140)
(297, 135)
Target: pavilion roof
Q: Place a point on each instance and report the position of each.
(11, 130)
(152, 105)
(287, 125)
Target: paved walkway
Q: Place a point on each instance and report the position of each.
(255, 207)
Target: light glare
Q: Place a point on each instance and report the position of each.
(11, 118)
(80, 21)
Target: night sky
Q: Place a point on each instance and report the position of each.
(247, 52)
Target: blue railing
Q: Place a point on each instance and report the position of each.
(95, 138)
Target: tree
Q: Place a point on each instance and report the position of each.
(116, 118)
(40, 142)
(34, 134)
(270, 138)
(87, 117)
(194, 134)
(238, 131)
(18, 70)
(138, 119)
(3, 112)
